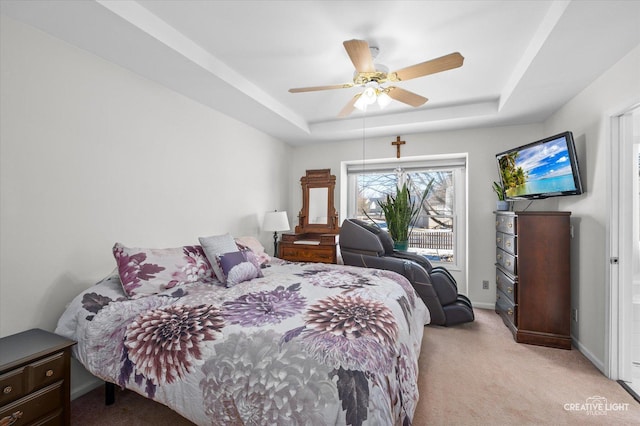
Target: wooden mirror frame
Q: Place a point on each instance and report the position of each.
(321, 178)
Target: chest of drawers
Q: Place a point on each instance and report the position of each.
(533, 284)
(35, 379)
(320, 248)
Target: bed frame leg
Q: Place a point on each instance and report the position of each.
(109, 393)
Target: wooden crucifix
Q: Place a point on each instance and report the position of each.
(397, 143)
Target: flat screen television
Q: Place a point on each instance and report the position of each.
(541, 169)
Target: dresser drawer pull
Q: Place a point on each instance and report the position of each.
(508, 243)
(510, 225)
(49, 373)
(498, 240)
(499, 257)
(508, 263)
(509, 311)
(7, 390)
(9, 420)
(510, 290)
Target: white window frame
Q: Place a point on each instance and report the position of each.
(457, 162)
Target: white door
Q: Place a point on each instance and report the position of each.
(629, 249)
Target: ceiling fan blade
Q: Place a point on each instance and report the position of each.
(317, 88)
(360, 55)
(349, 107)
(443, 63)
(406, 96)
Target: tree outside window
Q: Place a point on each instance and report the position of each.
(434, 231)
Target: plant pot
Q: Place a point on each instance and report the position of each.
(502, 206)
(401, 245)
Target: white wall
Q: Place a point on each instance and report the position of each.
(588, 115)
(92, 154)
(481, 146)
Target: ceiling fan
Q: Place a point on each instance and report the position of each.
(374, 80)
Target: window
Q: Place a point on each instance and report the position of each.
(439, 229)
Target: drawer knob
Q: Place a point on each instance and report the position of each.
(9, 420)
(509, 311)
(49, 373)
(508, 263)
(510, 290)
(508, 243)
(510, 225)
(498, 240)
(499, 257)
(7, 390)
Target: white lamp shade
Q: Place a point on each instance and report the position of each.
(383, 99)
(276, 221)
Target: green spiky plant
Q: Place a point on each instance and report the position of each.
(401, 211)
(499, 190)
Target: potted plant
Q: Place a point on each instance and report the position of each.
(502, 204)
(400, 212)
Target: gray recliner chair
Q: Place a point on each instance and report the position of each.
(366, 245)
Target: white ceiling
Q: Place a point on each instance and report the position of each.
(523, 59)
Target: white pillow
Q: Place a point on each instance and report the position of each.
(215, 246)
(255, 246)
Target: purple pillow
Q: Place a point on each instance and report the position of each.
(239, 266)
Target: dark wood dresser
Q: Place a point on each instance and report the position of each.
(35, 379)
(308, 248)
(533, 282)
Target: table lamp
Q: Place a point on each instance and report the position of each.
(275, 221)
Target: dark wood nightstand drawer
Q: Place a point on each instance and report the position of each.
(45, 404)
(34, 376)
(45, 372)
(12, 386)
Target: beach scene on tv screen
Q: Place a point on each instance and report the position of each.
(539, 169)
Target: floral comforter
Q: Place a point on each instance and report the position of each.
(307, 344)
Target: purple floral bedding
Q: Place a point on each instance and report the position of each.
(307, 344)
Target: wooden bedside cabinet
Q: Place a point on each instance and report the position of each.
(35, 384)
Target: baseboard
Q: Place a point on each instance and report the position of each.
(481, 305)
(598, 363)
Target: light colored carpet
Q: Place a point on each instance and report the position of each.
(476, 374)
(471, 374)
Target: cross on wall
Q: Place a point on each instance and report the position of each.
(398, 143)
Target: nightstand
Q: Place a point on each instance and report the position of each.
(35, 378)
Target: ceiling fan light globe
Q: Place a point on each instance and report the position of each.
(369, 95)
(383, 100)
(361, 104)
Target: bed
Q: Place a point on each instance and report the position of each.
(298, 343)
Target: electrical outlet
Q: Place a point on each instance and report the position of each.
(574, 315)
(485, 285)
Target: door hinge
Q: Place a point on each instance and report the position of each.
(614, 260)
